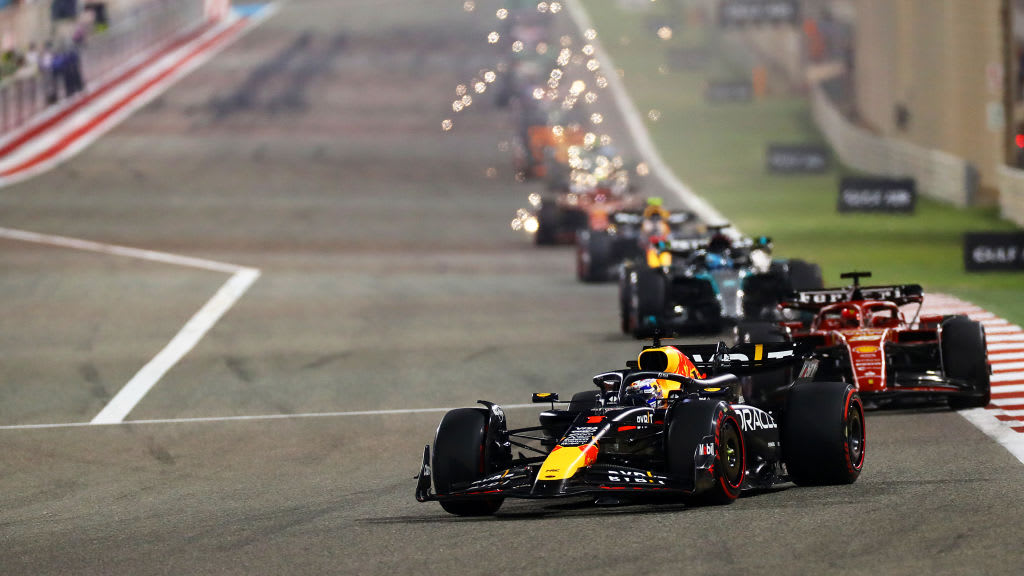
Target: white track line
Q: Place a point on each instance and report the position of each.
(1007, 347)
(1007, 329)
(1018, 337)
(241, 277)
(634, 122)
(997, 430)
(1002, 345)
(253, 418)
(116, 250)
(186, 339)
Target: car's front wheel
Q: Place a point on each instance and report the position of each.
(699, 428)
(964, 357)
(459, 456)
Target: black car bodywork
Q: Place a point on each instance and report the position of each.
(601, 250)
(705, 444)
(703, 284)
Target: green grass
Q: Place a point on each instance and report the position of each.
(719, 151)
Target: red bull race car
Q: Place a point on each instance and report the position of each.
(861, 335)
(661, 429)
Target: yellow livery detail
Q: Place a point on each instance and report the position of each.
(563, 462)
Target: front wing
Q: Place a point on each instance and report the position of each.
(522, 482)
(908, 387)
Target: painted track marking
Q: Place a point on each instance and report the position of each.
(394, 412)
(1003, 419)
(132, 393)
(59, 135)
(637, 131)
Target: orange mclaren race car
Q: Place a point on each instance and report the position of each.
(671, 425)
(598, 191)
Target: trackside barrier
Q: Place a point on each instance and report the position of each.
(1011, 194)
(133, 32)
(939, 175)
(139, 29)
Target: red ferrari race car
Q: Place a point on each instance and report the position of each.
(860, 335)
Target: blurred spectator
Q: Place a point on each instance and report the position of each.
(73, 83)
(32, 58)
(10, 61)
(46, 66)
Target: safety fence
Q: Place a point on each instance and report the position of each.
(1011, 194)
(132, 33)
(939, 175)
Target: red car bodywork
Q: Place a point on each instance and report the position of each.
(861, 335)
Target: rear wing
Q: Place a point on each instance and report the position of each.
(636, 218)
(686, 246)
(743, 358)
(816, 299)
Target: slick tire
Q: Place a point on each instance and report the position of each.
(583, 401)
(823, 433)
(804, 275)
(593, 256)
(757, 388)
(648, 299)
(964, 356)
(548, 222)
(689, 424)
(459, 457)
(759, 332)
(625, 313)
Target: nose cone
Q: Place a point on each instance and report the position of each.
(563, 462)
(868, 359)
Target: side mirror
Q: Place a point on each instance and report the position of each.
(608, 381)
(542, 397)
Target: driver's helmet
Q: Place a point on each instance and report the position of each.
(850, 318)
(715, 261)
(655, 218)
(719, 243)
(646, 392)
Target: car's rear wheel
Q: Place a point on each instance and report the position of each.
(964, 356)
(459, 456)
(759, 386)
(823, 438)
(625, 299)
(593, 256)
(548, 222)
(648, 306)
(805, 275)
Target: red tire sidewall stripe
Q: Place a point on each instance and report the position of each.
(732, 489)
(850, 465)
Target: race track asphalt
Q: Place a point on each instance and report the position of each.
(312, 150)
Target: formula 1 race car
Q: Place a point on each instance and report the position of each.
(602, 189)
(860, 335)
(658, 429)
(700, 284)
(608, 242)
